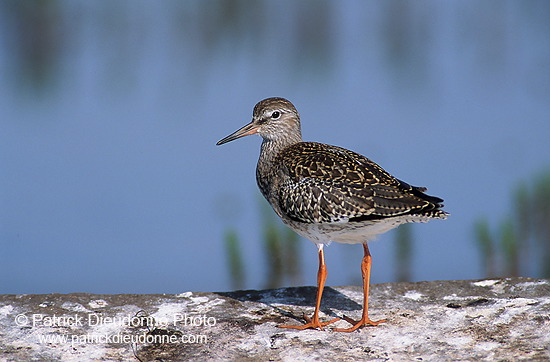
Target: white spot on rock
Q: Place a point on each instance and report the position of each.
(5, 310)
(414, 295)
(98, 303)
(74, 307)
(460, 341)
(487, 346)
(199, 300)
(485, 283)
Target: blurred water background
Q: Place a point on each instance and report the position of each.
(110, 180)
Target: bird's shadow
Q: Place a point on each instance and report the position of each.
(296, 296)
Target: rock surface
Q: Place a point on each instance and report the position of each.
(502, 319)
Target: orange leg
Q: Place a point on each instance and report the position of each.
(364, 321)
(314, 322)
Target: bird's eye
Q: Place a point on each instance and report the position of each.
(275, 115)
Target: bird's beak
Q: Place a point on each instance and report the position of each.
(249, 129)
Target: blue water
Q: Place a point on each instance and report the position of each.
(110, 180)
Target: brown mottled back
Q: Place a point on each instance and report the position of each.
(325, 183)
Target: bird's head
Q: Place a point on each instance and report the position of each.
(274, 119)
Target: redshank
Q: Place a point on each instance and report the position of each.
(328, 193)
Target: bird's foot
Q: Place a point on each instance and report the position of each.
(312, 323)
(365, 321)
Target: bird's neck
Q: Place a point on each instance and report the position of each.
(267, 164)
(272, 146)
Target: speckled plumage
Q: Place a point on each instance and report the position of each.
(318, 183)
(311, 183)
(327, 193)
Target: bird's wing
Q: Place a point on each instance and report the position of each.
(331, 184)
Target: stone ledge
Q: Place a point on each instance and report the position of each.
(429, 321)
